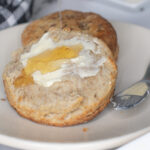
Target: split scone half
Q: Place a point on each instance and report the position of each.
(85, 22)
(61, 79)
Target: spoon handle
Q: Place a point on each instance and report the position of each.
(147, 73)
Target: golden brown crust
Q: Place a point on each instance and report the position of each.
(89, 23)
(27, 113)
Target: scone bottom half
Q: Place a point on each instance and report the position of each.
(61, 84)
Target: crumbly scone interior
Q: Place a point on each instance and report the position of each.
(71, 97)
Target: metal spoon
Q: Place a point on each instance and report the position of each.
(133, 95)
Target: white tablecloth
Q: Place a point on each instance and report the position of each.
(141, 143)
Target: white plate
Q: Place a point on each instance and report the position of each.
(109, 129)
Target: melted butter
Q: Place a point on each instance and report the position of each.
(47, 61)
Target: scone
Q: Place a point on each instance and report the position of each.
(89, 23)
(61, 79)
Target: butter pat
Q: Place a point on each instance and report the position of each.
(48, 61)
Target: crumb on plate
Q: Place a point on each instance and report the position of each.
(85, 129)
(3, 99)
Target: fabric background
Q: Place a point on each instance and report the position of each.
(13, 12)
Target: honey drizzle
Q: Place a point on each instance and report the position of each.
(48, 61)
(23, 80)
(51, 60)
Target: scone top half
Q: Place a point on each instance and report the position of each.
(84, 22)
(62, 79)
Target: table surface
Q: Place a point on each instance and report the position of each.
(110, 12)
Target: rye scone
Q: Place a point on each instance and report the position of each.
(62, 79)
(84, 22)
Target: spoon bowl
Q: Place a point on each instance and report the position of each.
(134, 94)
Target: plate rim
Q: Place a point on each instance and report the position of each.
(112, 142)
(103, 144)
